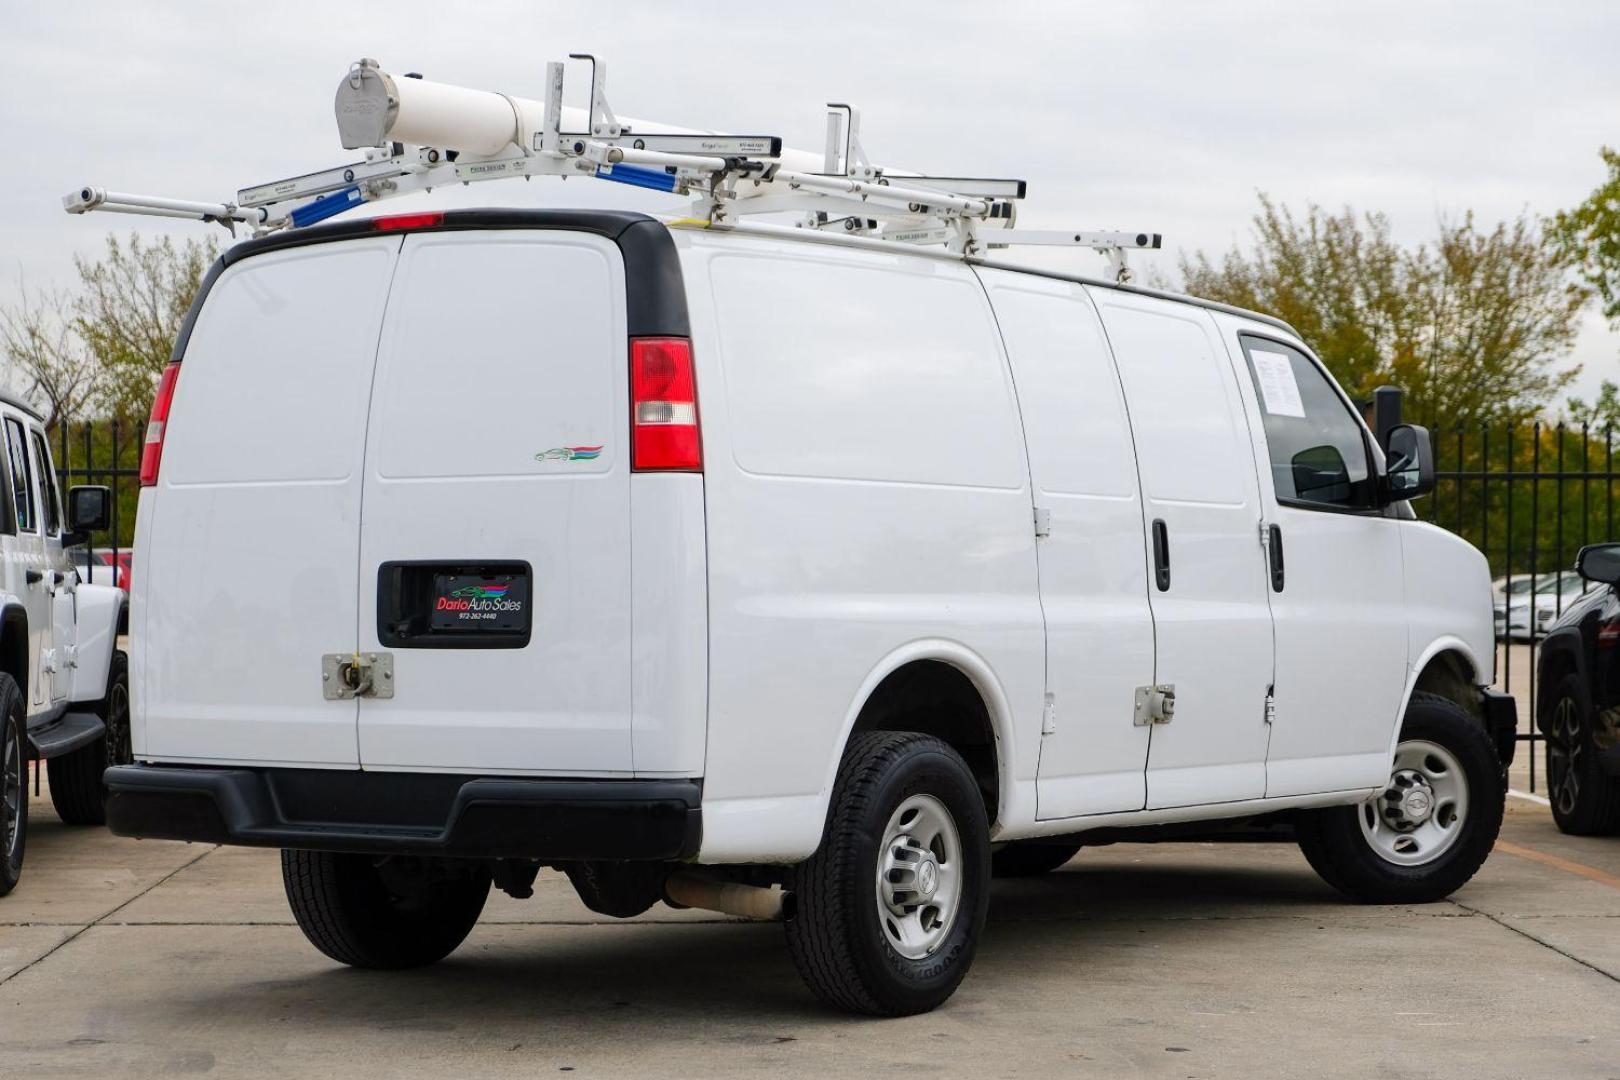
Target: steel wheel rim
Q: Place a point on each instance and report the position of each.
(1421, 812)
(919, 877)
(118, 743)
(1564, 753)
(11, 788)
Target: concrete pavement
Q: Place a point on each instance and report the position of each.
(125, 958)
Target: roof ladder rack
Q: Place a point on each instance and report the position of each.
(415, 135)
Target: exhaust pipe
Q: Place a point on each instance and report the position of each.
(686, 889)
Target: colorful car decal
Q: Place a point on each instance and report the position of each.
(570, 453)
(482, 592)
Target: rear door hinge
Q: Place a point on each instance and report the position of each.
(1265, 534)
(1043, 522)
(1155, 704)
(1049, 716)
(1271, 706)
(345, 676)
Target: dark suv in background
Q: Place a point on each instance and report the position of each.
(1578, 701)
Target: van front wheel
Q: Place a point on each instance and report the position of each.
(372, 912)
(1429, 828)
(887, 914)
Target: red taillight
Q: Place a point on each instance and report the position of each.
(663, 406)
(407, 221)
(1608, 635)
(152, 450)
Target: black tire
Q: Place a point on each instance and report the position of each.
(1337, 848)
(834, 934)
(77, 790)
(375, 912)
(1585, 799)
(13, 783)
(1024, 858)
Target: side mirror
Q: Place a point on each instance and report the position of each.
(1408, 464)
(89, 508)
(1600, 563)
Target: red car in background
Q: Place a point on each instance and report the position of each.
(105, 567)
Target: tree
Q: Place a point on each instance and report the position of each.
(1587, 238)
(1469, 326)
(39, 338)
(129, 310)
(1602, 413)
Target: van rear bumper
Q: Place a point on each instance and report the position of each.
(408, 813)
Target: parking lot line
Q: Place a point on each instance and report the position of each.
(1558, 862)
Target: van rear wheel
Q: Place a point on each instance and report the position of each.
(383, 912)
(888, 912)
(1429, 829)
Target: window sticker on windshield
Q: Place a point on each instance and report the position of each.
(1275, 374)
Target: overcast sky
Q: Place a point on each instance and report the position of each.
(1147, 114)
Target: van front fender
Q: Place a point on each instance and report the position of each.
(99, 608)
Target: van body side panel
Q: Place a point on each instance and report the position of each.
(1093, 565)
(866, 490)
(249, 541)
(498, 435)
(1340, 621)
(1212, 623)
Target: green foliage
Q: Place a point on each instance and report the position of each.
(129, 309)
(1587, 238)
(1469, 326)
(1602, 413)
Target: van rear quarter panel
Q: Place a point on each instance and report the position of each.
(867, 502)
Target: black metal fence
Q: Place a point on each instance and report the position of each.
(103, 452)
(1529, 496)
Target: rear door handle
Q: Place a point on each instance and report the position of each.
(1161, 554)
(1275, 549)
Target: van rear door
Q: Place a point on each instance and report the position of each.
(495, 553)
(251, 535)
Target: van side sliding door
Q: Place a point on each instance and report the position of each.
(1335, 572)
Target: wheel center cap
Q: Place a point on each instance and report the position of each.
(1417, 803)
(927, 878)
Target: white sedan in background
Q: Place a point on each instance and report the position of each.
(1553, 593)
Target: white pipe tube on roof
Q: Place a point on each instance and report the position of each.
(374, 107)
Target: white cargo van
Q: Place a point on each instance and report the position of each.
(780, 572)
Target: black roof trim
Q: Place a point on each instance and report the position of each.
(655, 292)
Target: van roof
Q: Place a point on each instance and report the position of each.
(613, 224)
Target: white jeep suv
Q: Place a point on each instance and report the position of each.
(64, 684)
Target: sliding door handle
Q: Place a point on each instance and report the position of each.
(1274, 548)
(1161, 554)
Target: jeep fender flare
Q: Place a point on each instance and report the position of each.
(100, 607)
(14, 627)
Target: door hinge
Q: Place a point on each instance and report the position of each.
(1043, 522)
(1265, 535)
(1049, 716)
(345, 676)
(1155, 704)
(47, 661)
(1271, 706)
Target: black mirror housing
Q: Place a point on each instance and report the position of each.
(89, 508)
(1409, 463)
(1599, 563)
